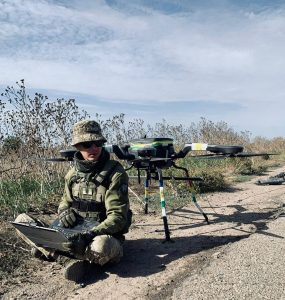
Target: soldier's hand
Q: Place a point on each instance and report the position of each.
(68, 217)
(79, 241)
(87, 236)
(75, 247)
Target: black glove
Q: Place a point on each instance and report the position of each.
(79, 241)
(68, 217)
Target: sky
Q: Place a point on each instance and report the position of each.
(177, 60)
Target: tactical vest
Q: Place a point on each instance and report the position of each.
(88, 192)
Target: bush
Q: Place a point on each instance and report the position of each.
(11, 144)
(41, 124)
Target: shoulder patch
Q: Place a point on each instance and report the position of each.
(124, 188)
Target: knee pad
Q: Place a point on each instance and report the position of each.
(24, 218)
(105, 248)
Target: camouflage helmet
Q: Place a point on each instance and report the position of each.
(87, 131)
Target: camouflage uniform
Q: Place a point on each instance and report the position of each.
(98, 190)
(107, 203)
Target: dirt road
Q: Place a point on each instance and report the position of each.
(151, 269)
(250, 269)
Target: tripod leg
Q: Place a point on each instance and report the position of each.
(163, 207)
(193, 193)
(199, 208)
(146, 193)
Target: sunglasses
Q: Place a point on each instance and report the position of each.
(87, 145)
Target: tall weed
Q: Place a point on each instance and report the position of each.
(29, 194)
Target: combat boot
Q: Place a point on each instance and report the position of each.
(75, 269)
(37, 253)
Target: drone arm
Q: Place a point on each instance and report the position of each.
(119, 152)
(190, 147)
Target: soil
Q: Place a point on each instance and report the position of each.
(151, 268)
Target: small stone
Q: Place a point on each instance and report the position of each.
(216, 255)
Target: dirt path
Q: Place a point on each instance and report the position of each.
(249, 269)
(151, 269)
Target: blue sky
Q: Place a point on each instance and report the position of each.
(177, 60)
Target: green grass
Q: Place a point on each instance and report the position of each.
(27, 194)
(241, 178)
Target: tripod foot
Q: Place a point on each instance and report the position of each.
(206, 218)
(168, 241)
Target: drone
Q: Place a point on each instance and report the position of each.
(153, 155)
(273, 180)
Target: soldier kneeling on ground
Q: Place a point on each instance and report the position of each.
(96, 189)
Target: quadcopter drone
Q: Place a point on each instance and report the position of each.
(153, 155)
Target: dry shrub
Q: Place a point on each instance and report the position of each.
(39, 125)
(32, 128)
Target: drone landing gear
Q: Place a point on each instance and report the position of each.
(163, 207)
(146, 192)
(199, 208)
(162, 201)
(193, 194)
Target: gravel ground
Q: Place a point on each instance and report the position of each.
(250, 269)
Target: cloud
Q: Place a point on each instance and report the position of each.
(147, 51)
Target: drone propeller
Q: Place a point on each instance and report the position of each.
(57, 159)
(218, 151)
(66, 155)
(50, 159)
(224, 156)
(248, 154)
